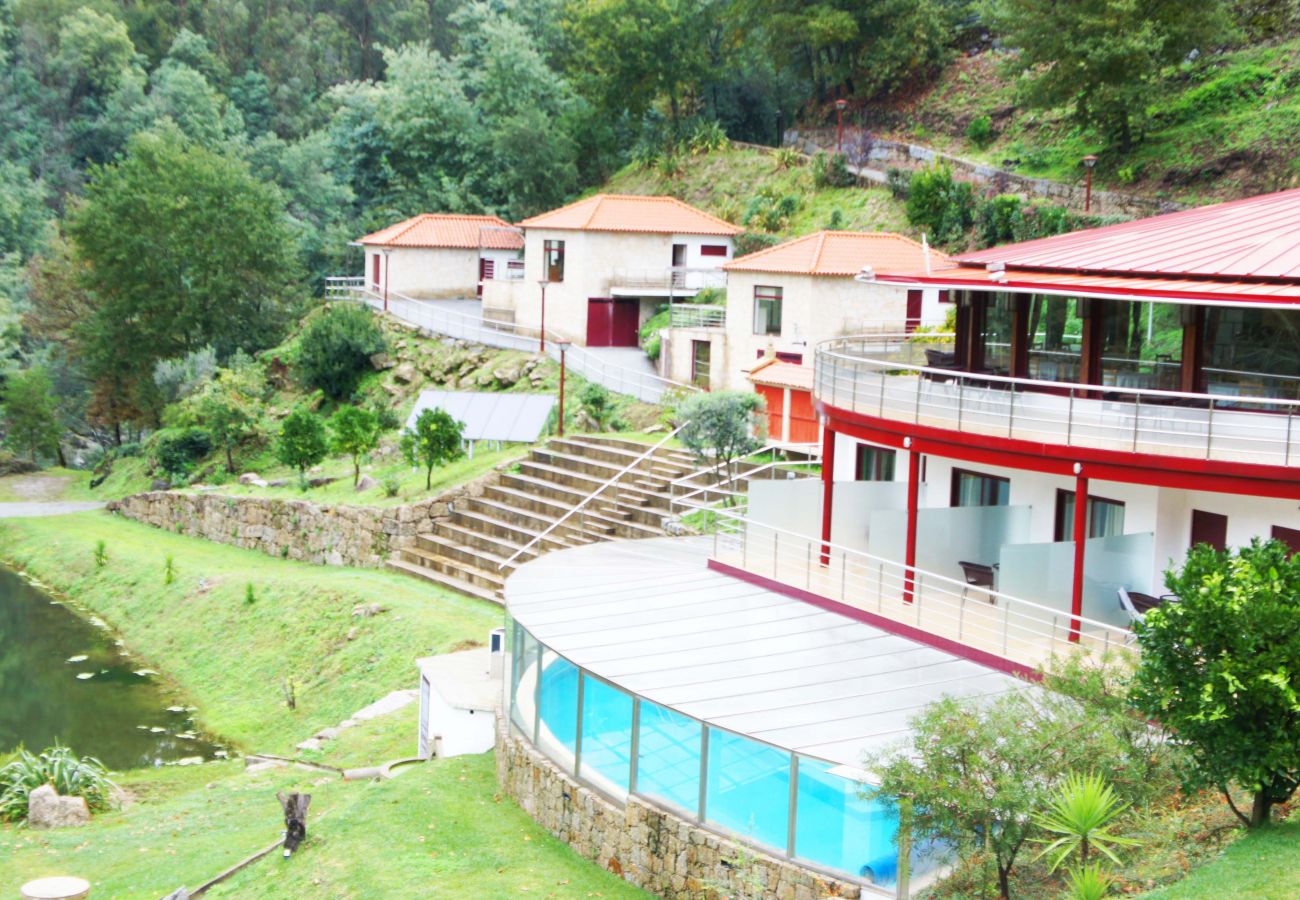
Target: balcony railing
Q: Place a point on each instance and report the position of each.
(887, 376)
(672, 278)
(691, 315)
(981, 619)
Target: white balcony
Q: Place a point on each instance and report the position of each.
(891, 377)
(670, 281)
(692, 315)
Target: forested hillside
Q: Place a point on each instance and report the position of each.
(177, 176)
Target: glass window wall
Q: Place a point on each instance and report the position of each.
(839, 829)
(1141, 345)
(748, 788)
(1055, 339)
(606, 735)
(997, 336)
(1252, 353)
(668, 757)
(557, 706)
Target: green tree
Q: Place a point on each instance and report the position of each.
(354, 432)
(179, 247)
(1102, 57)
(301, 444)
(1221, 669)
(722, 427)
(335, 348)
(31, 419)
(229, 407)
(435, 439)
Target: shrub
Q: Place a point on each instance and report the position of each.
(386, 416)
(708, 137)
(836, 222)
(70, 775)
(831, 170)
(668, 164)
(101, 554)
(128, 450)
(598, 404)
(787, 157)
(179, 378)
(941, 206)
(176, 450)
(980, 131)
(898, 181)
(752, 241)
(650, 338)
(250, 594)
(335, 349)
(391, 485)
(770, 210)
(169, 569)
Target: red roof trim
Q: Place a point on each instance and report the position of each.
(1074, 290)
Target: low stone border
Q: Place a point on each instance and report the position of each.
(647, 846)
(298, 529)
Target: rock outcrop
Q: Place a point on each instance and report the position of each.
(46, 809)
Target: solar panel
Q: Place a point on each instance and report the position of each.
(519, 418)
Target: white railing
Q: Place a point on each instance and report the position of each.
(437, 319)
(581, 509)
(514, 270)
(679, 278)
(889, 376)
(983, 619)
(343, 287)
(701, 490)
(690, 315)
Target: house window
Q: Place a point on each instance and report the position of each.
(1288, 536)
(945, 297)
(553, 260)
(713, 250)
(784, 356)
(874, 464)
(978, 489)
(1209, 528)
(767, 310)
(701, 353)
(1105, 517)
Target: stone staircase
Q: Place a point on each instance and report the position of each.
(468, 551)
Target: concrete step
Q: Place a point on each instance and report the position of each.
(446, 581)
(479, 574)
(463, 553)
(540, 492)
(449, 532)
(668, 454)
(620, 457)
(591, 520)
(627, 493)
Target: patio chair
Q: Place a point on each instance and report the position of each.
(939, 359)
(1138, 604)
(978, 575)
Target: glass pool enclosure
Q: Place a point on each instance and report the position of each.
(790, 804)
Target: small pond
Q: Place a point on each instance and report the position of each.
(65, 678)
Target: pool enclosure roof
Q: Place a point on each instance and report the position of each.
(648, 616)
(490, 417)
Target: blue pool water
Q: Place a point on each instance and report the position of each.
(747, 789)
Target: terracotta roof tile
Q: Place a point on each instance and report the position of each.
(839, 253)
(448, 230)
(632, 212)
(775, 373)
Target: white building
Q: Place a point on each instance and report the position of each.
(789, 297)
(608, 262)
(459, 694)
(439, 255)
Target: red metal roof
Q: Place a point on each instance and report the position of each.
(1255, 238)
(1185, 290)
(839, 253)
(632, 212)
(448, 230)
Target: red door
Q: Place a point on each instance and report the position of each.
(612, 323)
(913, 310)
(374, 270)
(486, 271)
(1209, 528)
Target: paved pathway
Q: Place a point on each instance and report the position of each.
(46, 508)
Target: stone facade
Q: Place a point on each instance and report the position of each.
(297, 529)
(648, 846)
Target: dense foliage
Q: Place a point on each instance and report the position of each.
(70, 775)
(1219, 667)
(722, 427)
(335, 349)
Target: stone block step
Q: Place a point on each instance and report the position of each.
(478, 575)
(445, 581)
(487, 543)
(587, 484)
(619, 457)
(552, 500)
(454, 548)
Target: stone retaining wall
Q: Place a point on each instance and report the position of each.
(647, 846)
(865, 150)
(297, 529)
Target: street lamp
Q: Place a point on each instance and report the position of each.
(840, 106)
(1088, 162)
(564, 347)
(541, 342)
(386, 251)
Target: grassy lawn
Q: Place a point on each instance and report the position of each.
(441, 824)
(1264, 865)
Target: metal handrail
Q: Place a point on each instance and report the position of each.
(609, 482)
(718, 487)
(820, 563)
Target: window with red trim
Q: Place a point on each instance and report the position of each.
(713, 250)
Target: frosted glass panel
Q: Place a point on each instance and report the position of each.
(668, 757)
(748, 788)
(1042, 573)
(855, 503)
(948, 535)
(837, 828)
(558, 707)
(606, 735)
(793, 505)
(523, 673)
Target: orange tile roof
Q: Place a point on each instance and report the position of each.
(840, 253)
(632, 212)
(448, 230)
(776, 373)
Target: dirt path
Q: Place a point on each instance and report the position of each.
(38, 487)
(47, 508)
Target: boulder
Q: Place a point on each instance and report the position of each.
(367, 610)
(381, 361)
(366, 484)
(405, 374)
(250, 478)
(46, 809)
(321, 481)
(160, 484)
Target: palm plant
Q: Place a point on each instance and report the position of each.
(60, 767)
(1081, 812)
(1090, 882)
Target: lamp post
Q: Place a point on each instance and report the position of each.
(1088, 162)
(564, 347)
(387, 250)
(541, 342)
(840, 106)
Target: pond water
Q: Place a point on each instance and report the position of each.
(65, 678)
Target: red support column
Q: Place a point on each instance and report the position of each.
(828, 490)
(1080, 541)
(913, 498)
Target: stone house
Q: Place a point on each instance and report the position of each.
(440, 255)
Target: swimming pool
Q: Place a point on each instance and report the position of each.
(793, 805)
